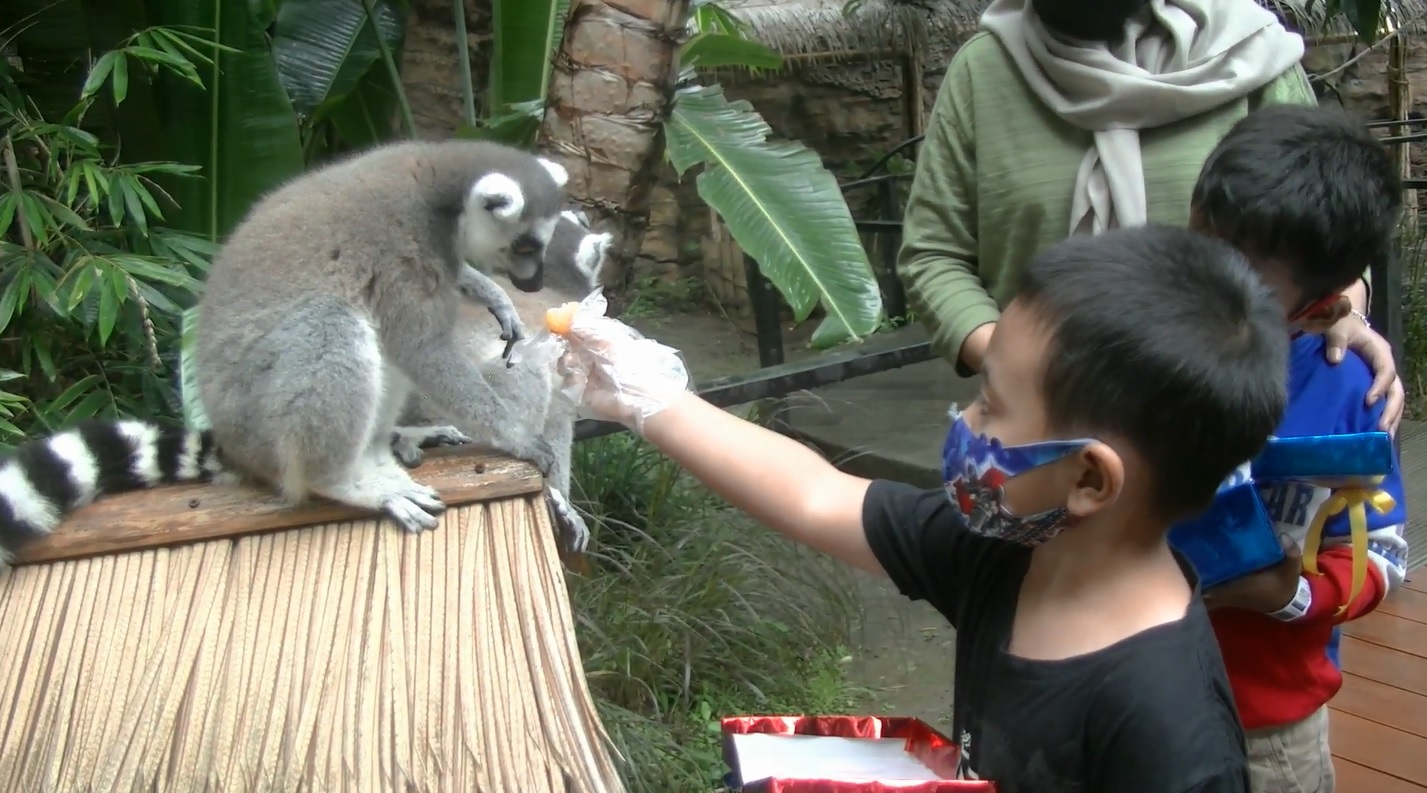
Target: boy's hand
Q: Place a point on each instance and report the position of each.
(1267, 590)
(621, 376)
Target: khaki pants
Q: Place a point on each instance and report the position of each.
(1293, 758)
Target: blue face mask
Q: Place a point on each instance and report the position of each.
(975, 468)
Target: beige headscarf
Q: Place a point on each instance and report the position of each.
(1179, 58)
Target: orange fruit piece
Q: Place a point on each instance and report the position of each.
(559, 319)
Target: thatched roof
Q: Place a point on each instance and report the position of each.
(819, 29)
(1307, 16)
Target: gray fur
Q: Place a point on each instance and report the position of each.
(531, 406)
(336, 297)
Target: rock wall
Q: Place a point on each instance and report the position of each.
(430, 63)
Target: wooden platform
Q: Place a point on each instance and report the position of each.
(1379, 719)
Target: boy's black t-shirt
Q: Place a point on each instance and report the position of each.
(1150, 714)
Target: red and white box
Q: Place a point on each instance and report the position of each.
(841, 754)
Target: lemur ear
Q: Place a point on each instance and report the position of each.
(590, 257)
(556, 171)
(499, 195)
(576, 217)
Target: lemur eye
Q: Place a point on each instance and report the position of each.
(524, 246)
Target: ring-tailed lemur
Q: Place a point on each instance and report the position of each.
(337, 295)
(572, 268)
(332, 297)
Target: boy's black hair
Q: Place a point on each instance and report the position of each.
(1166, 339)
(1309, 187)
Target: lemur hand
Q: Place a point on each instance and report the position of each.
(621, 376)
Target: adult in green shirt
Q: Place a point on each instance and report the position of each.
(1069, 117)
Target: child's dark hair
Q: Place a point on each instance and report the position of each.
(1166, 339)
(1309, 187)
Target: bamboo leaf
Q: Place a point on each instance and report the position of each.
(109, 304)
(61, 404)
(121, 78)
(782, 206)
(12, 299)
(101, 71)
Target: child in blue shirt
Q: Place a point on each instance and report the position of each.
(1310, 197)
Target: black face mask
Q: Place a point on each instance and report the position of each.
(1087, 20)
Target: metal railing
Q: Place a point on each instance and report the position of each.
(884, 351)
(894, 349)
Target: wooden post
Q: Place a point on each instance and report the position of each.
(1399, 102)
(913, 93)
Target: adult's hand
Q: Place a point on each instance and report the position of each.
(1353, 332)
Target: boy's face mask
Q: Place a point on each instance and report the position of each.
(975, 468)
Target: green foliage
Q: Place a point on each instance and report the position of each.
(526, 37)
(694, 613)
(92, 279)
(339, 74)
(1366, 16)
(782, 206)
(1414, 322)
(270, 87)
(719, 40)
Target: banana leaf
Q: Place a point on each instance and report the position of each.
(242, 130)
(193, 415)
(326, 50)
(782, 207)
(712, 50)
(526, 36)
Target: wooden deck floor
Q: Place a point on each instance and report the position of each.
(1379, 719)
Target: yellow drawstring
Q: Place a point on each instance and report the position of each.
(1355, 500)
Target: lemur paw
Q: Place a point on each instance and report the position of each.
(414, 507)
(407, 442)
(573, 531)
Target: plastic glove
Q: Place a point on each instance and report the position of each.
(613, 372)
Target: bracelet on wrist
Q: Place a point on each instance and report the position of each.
(1300, 604)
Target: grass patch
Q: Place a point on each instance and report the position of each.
(693, 612)
(1414, 323)
(653, 296)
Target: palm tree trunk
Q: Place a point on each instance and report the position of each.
(610, 91)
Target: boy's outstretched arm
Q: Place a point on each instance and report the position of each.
(779, 481)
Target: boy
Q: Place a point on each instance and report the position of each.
(1309, 196)
(1153, 360)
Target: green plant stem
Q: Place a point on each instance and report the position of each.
(463, 52)
(12, 171)
(392, 72)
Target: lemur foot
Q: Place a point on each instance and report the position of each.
(571, 527)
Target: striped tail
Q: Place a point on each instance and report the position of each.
(47, 478)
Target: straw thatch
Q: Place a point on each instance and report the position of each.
(345, 656)
(819, 29)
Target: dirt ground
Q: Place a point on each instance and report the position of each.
(903, 656)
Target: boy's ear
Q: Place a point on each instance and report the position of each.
(1101, 478)
(1325, 316)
